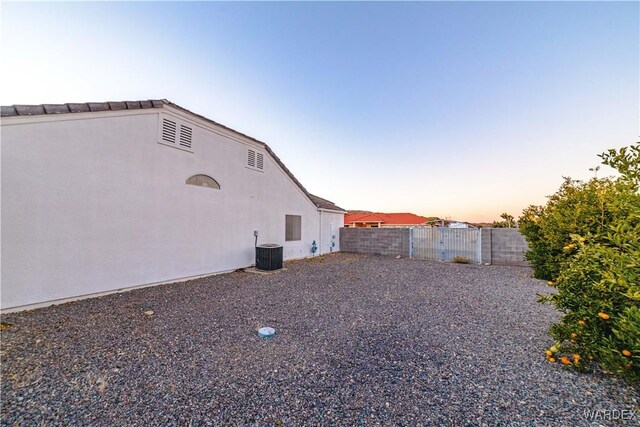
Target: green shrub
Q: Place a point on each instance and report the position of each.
(461, 260)
(594, 262)
(583, 208)
(508, 221)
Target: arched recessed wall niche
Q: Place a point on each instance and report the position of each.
(203, 181)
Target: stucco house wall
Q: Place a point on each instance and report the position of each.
(330, 226)
(92, 202)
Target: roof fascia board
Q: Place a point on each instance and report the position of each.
(64, 117)
(211, 126)
(331, 210)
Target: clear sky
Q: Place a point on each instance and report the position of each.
(450, 109)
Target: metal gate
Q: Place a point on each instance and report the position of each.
(443, 244)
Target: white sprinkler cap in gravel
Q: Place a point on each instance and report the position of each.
(266, 332)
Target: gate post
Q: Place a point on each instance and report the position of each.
(410, 242)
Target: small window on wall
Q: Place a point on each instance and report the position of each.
(293, 227)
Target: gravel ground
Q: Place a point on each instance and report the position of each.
(361, 340)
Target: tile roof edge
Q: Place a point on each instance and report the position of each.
(19, 110)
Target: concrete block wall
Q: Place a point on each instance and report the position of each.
(499, 246)
(376, 241)
(485, 245)
(503, 246)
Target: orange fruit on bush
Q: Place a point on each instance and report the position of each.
(565, 360)
(604, 316)
(573, 335)
(581, 322)
(550, 283)
(626, 353)
(548, 353)
(552, 360)
(576, 357)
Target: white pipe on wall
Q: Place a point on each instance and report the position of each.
(320, 232)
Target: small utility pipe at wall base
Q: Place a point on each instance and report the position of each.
(320, 233)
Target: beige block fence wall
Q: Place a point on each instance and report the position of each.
(499, 246)
(503, 246)
(376, 241)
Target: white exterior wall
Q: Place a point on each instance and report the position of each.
(91, 203)
(330, 223)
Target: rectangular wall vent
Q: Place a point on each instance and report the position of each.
(255, 160)
(185, 136)
(168, 131)
(174, 132)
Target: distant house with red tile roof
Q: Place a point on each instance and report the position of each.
(377, 219)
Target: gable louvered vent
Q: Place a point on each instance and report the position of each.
(168, 131)
(175, 133)
(260, 163)
(255, 160)
(185, 136)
